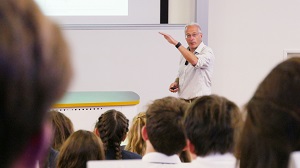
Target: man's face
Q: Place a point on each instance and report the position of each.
(193, 37)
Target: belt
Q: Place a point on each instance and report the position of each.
(189, 100)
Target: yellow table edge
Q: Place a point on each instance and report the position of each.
(96, 104)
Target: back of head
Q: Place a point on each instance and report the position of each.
(62, 126)
(273, 118)
(79, 148)
(213, 124)
(135, 142)
(112, 127)
(34, 72)
(164, 125)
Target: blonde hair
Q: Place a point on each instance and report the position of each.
(135, 141)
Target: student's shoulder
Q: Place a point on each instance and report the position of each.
(130, 155)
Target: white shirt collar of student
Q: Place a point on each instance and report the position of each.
(160, 158)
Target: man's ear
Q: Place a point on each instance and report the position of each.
(201, 35)
(144, 133)
(190, 146)
(96, 131)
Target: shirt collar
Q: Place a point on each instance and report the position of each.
(156, 157)
(217, 156)
(199, 48)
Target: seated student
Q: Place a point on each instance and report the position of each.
(62, 128)
(164, 132)
(272, 127)
(213, 124)
(135, 142)
(79, 148)
(112, 127)
(35, 72)
(52, 158)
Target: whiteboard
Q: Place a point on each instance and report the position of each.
(84, 8)
(93, 12)
(125, 58)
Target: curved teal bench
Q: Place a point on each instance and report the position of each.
(98, 98)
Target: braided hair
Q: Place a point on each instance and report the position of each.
(112, 127)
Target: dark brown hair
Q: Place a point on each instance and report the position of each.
(62, 126)
(165, 126)
(213, 124)
(79, 148)
(34, 73)
(112, 127)
(272, 124)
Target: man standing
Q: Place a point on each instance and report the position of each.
(195, 67)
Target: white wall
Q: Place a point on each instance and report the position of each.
(248, 39)
(125, 58)
(202, 17)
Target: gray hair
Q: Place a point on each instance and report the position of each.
(193, 24)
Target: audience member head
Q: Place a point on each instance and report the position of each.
(213, 124)
(79, 148)
(164, 129)
(135, 142)
(112, 127)
(34, 73)
(272, 123)
(62, 126)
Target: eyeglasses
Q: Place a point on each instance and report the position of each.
(191, 35)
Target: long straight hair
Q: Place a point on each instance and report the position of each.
(272, 124)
